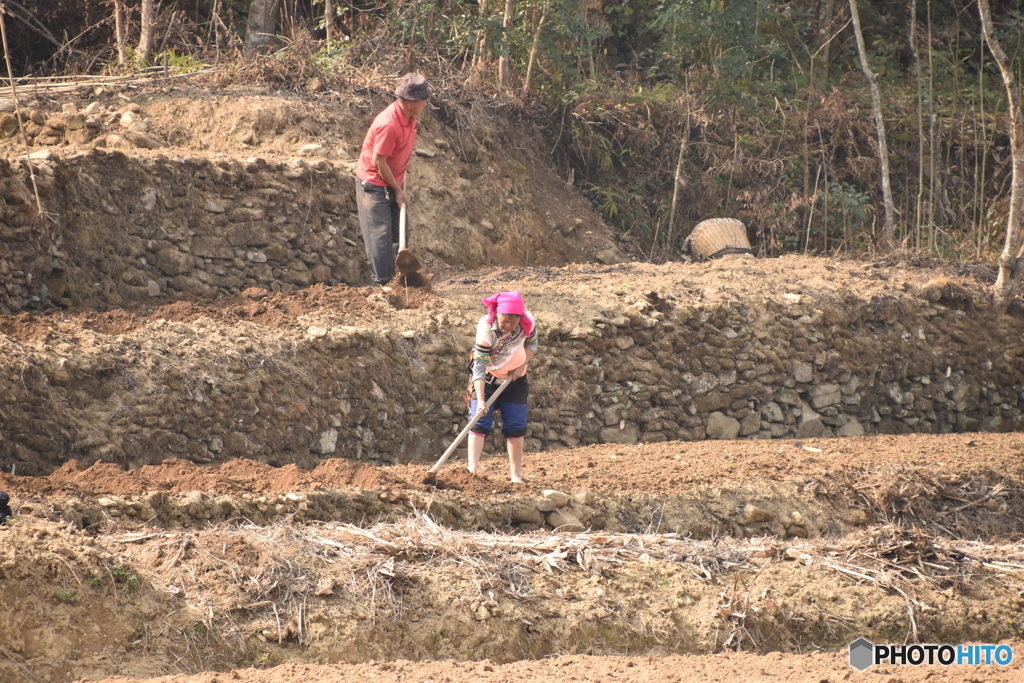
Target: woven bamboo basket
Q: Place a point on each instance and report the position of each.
(717, 237)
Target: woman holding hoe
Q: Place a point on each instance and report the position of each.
(506, 339)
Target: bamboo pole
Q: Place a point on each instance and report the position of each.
(74, 84)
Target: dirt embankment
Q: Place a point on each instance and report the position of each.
(241, 191)
(963, 486)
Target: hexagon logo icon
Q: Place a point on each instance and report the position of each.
(862, 654)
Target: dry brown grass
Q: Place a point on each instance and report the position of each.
(239, 579)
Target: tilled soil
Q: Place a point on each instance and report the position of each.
(222, 595)
(657, 469)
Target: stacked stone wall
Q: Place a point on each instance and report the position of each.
(784, 370)
(653, 372)
(129, 228)
(123, 227)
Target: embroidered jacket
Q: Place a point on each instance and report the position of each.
(499, 354)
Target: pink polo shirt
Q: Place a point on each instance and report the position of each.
(392, 135)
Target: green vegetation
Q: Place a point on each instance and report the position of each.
(125, 577)
(66, 596)
(179, 63)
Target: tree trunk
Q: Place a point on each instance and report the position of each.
(119, 30)
(822, 53)
(883, 148)
(919, 200)
(262, 25)
(503, 69)
(146, 39)
(1010, 259)
(533, 48)
(932, 166)
(328, 20)
(481, 39)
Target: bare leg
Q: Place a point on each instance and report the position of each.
(476, 449)
(515, 458)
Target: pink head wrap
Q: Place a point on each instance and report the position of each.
(510, 303)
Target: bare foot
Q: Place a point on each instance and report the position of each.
(518, 480)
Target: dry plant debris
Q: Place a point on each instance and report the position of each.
(277, 570)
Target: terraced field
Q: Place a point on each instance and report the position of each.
(216, 437)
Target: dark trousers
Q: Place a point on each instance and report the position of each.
(512, 404)
(378, 222)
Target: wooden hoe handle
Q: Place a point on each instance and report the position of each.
(465, 430)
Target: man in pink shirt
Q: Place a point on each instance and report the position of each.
(380, 173)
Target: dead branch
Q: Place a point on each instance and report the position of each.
(26, 17)
(17, 108)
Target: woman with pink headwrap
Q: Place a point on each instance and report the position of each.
(506, 339)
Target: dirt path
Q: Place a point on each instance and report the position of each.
(655, 469)
(816, 668)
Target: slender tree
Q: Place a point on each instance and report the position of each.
(919, 200)
(328, 20)
(883, 148)
(481, 40)
(823, 42)
(146, 39)
(119, 30)
(533, 47)
(680, 181)
(1010, 270)
(504, 76)
(932, 166)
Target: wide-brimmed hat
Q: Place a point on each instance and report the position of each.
(413, 87)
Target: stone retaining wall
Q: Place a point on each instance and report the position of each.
(789, 369)
(656, 371)
(128, 228)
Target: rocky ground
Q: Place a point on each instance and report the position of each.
(217, 462)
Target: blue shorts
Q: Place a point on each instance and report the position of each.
(512, 406)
